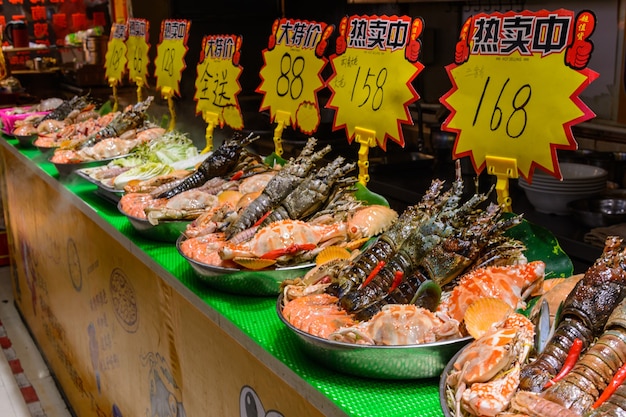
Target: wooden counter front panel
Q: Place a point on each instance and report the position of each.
(119, 339)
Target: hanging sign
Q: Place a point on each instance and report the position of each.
(291, 74)
(516, 79)
(374, 65)
(137, 54)
(217, 83)
(170, 60)
(115, 58)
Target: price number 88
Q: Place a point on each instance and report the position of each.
(290, 80)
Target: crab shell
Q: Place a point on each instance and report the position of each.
(399, 324)
(284, 234)
(371, 220)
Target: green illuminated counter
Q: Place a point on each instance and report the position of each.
(129, 330)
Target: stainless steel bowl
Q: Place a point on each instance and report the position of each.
(265, 282)
(110, 194)
(26, 141)
(599, 211)
(166, 231)
(443, 386)
(382, 362)
(46, 151)
(66, 170)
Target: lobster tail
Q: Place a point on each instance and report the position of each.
(221, 162)
(581, 387)
(279, 187)
(585, 313)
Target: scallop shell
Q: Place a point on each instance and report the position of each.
(254, 264)
(246, 199)
(330, 254)
(550, 284)
(229, 196)
(483, 314)
(356, 244)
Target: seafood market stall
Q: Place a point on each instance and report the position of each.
(128, 329)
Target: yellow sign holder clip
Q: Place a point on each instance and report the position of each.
(139, 82)
(113, 85)
(503, 169)
(212, 119)
(283, 119)
(367, 139)
(168, 93)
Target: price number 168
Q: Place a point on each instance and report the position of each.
(510, 116)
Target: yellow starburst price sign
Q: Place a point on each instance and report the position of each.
(115, 58)
(291, 75)
(170, 60)
(516, 81)
(137, 54)
(375, 62)
(217, 83)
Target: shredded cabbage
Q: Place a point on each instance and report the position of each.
(170, 147)
(141, 172)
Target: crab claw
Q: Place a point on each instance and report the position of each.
(289, 250)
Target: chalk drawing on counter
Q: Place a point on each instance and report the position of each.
(165, 393)
(30, 273)
(116, 411)
(73, 262)
(250, 405)
(94, 353)
(124, 300)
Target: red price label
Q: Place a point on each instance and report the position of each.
(115, 58)
(516, 81)
(171, 51)
(292, 72)
(375, 62)
(138, 47)
(217, 82)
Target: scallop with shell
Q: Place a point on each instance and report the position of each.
(331, 253)
(229, 196)
(254, 264)
(485, 314)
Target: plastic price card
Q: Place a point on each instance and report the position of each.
(291, 75)
(115, 58)
(137, 54)
(171, 51)
(516, 79)
(375, 62)
(217, 82)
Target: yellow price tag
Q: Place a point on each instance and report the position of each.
(138, 47)
(515, 90)
(291, 76)
(115, 58)
(171, 51)
(375, 62)
(217, 82)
